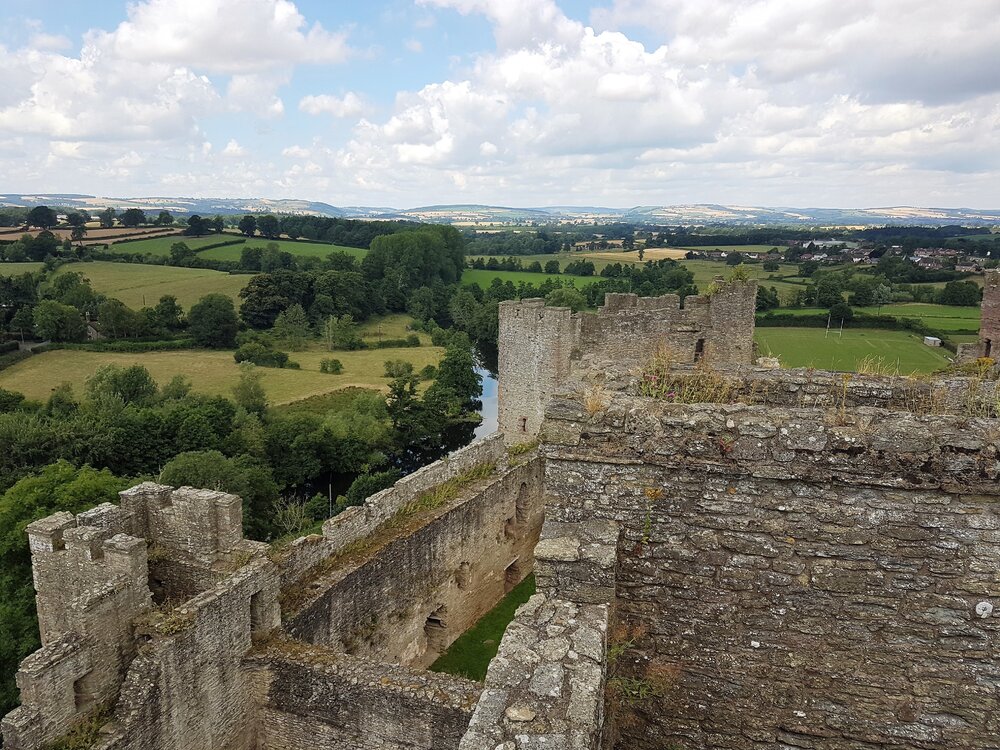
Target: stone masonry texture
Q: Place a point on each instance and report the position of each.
(797, 579)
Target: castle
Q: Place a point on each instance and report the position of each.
(804, 560)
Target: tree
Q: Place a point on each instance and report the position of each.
(552, 266)
(457, 376)
(841, 312)
(107, 218)
(242, 475)
(42, 217)
(180, 252)
(118, 321)
(133, 217)
(23, 320)
(292, 327)
(168, 313)
(77, 218)
(771, 266)
(249, 393)
(217, 223)
(212, 322)
(734, 259)
(829, 291)
(133, 385)
(767, 299)
(78, 234)
(882, 295)
(197, 226)
(341, 333)
(269, 227)
(58, 322)
(642, 254)
(566, 296)
(164, 219)
(247, 225)
(965, 293)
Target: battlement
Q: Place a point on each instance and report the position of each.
(541, 344)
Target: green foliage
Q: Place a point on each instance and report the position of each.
(398, 368)
(249, 393)
(241, 475)
(841, 312)
(212, 322)
(58, 322)
(292, 327)
(130, 385)
(331, 366)
(58, 487)
(566, 297)
(367, 484)
(260, 354)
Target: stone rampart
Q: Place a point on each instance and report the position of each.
(317, 698)
(541, 344)
(417, 588)
(545, 688)
(791, 577)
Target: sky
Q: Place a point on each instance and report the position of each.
(404, 103)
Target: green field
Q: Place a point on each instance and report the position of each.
(484, 278)
(736, 248)
(139, 285)
(161, 245)
(943, 317)
(470, 655)
(16, 269)
(815, 347)
(214, 372)
(300, 249)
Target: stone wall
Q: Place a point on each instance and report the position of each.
(785, 580)
(418, 587)
(545, 688)
(539, 345)
(316, 698)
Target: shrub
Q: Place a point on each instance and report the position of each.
(331, 366)
(258, 354)
(428, 373)
(397, 368)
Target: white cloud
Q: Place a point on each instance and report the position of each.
(234, 149)
(222, 36)
(49, 42)
(295, 152)
(348, 105)
(414, 45)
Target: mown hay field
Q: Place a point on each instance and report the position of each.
(139, 285)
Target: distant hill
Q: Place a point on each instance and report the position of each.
(473, 213)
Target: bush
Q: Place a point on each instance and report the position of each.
(397, 368)
(331, 366)
(8, 346)
(260, 355)
(130, 347)
(428, 373)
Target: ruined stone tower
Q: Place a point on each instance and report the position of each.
(541, 344)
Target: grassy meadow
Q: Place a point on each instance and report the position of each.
(900, 351)
(16, 269)
(942, 317)
(161, 245)
(299, 249)
(139, 285)
(216, 372)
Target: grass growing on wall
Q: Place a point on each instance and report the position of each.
(470, 655)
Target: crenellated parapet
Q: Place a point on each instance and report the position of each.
(540, 345)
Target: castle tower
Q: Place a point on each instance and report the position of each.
(536, 343)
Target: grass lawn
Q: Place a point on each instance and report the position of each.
(470, 655)
(139, 285)
(161, 245)
(942, 317)
(301, 249)
(16, 269)
(472, 276)
(813, 347)
(214, 372)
